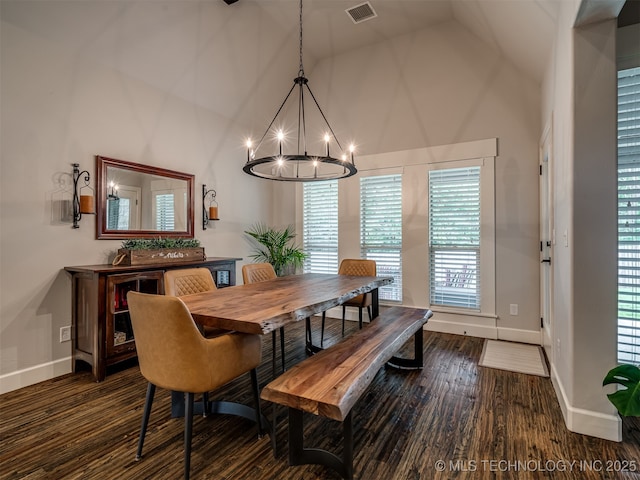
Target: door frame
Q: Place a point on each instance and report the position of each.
(547, 238)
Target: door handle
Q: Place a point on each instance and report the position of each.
(546, 260)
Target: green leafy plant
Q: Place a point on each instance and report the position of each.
(156, 243)
(274, 246)
(626, 400)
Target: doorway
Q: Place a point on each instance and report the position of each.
(546, 240)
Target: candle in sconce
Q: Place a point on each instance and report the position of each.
(86, 204)
(213, 213)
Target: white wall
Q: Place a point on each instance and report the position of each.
(442, 86)
(60, 107)
(579, 93)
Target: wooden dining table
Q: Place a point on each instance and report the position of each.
(266, 306)
(263, 307)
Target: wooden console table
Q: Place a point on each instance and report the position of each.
(101, 332)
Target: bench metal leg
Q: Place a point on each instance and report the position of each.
(299, 455)
(411, 363)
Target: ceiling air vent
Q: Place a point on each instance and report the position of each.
(361, 13)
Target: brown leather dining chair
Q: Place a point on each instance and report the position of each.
(185, 281)
(261, 272)
(173, 355)
(358, 267)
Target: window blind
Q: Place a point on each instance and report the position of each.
(629, 215)
(165, 216)
(454, 237)
(320, 226)
(381, 229)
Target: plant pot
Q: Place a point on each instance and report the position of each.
(126, 256)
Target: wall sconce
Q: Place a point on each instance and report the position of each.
(113, 191)
(83, 199)
(210, 212)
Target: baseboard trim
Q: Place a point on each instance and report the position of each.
(461, 328)
(522, 336)
(32, 375)
(586, 422)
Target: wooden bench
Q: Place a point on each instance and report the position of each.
(329, 383)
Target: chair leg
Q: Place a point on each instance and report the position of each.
(360, 318)
(282, 347)
(369, 312)
(344, 312)
(188, 429)
(256, 399)
(324, 317)
(151, 390)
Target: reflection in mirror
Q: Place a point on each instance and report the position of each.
(142, 201)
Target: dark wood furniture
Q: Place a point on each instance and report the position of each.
(101, 326)
(331, 382)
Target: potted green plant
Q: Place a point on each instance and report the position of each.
(275, 246)
(626, 400)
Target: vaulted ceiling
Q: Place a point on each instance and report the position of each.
(220, 56)
(521, 29)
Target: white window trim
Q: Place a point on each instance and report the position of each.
(414, 164)
(487, 233)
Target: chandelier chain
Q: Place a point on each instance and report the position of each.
(301, 71)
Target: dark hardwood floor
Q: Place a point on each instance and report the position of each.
(481, 423)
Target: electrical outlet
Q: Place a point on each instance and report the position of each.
(513, 309)
(65, 334)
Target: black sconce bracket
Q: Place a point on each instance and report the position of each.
(77, 215)
(205, 211)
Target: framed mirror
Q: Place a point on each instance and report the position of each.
(140, 201)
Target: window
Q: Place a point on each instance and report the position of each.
(629, 215)
(454, 237)
(381, 229)
(165, 216)
(320, 227)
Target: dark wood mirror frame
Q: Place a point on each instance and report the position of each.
(103, 233)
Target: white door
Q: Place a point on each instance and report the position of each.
(546, 241)
(123, 209)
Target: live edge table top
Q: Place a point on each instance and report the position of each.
(266, 306)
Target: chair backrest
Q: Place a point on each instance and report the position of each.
(185, 281)
(173, 355)
(358, 267)
(257, 272)
(168, 343)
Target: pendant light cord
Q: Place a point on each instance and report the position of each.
(301, 71)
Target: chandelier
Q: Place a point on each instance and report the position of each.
(299, 166)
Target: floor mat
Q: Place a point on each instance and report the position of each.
(514, 357)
